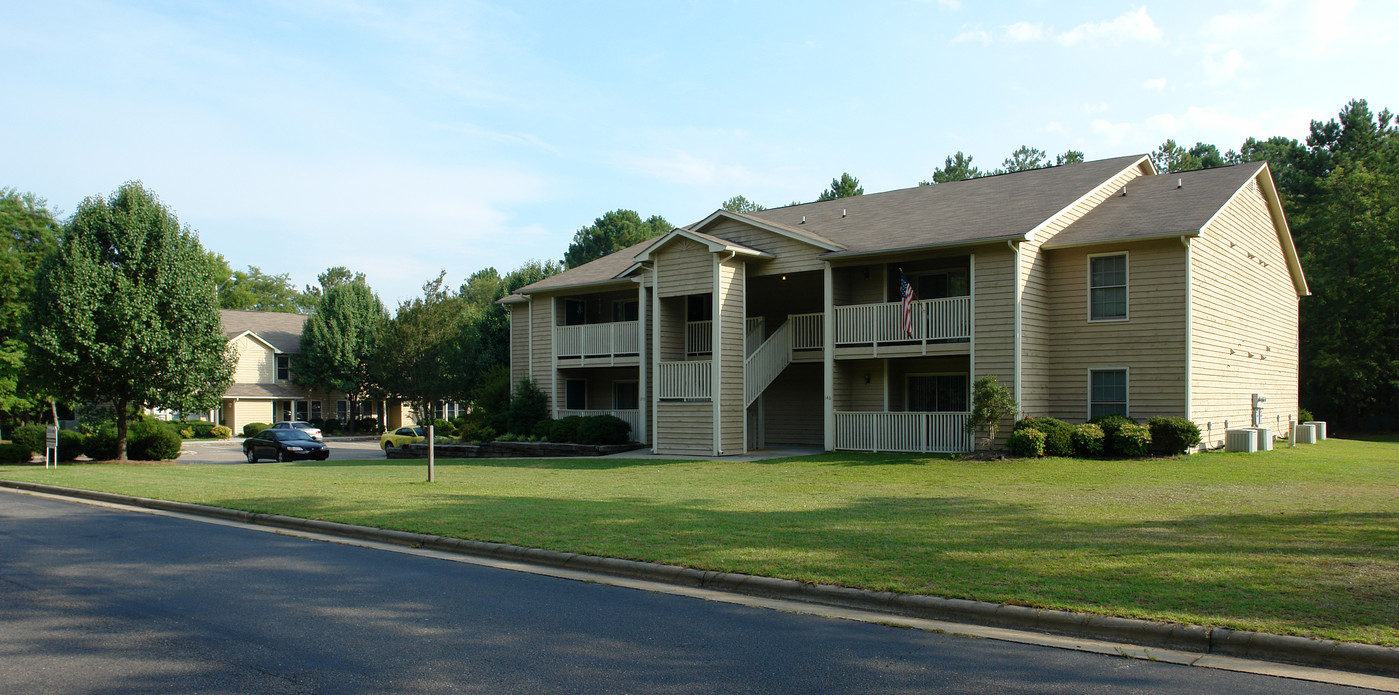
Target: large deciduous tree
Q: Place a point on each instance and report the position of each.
(842, 187)
(254, 290)
(419, 358)
(28, 233)
(613, 231)
(340, 341)
(485, 342)
(125, 311)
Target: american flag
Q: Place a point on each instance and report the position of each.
(907, 297)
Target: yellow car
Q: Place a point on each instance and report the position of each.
(401, 436)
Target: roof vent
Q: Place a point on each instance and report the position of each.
(842, 212)
(1124, 191)
(1179, 182)
(803, 219)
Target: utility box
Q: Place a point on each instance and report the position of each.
(1306, 434)
(1320, 426)
(1245, 440)
(1265, 438)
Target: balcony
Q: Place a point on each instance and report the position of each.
(684, 381)
(598, 344)
(879, 327)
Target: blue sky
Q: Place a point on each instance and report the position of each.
(400, 139)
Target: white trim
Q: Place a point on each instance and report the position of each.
(259, 339)
(1231, 198)
(656, 357)
(642, 375)
(1126, 287)
(1189, 321)
(554, 357)
(1030, 235)
(716, 335)
(1280, 225)
(766, 226)
(743, 307)
(1127, 387)
(828, 339)
(714, 244)
(1018, 298)
(971, 328)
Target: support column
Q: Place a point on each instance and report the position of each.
(828, 354)
(641, 401)
(656, 359)
(553, 358)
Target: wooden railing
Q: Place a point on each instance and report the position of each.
(933, 319)
(699, 337)
(632, 417)
(752, 334)
(806, 331)
(936, 433)
(683, 380)
(597, 340)
(767, 362)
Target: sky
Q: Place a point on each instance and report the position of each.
(401, 139)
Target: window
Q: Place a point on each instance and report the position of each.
(437, 411)
(624, 395)
(941, 284)
(626, 310)
(1107, 392)
(302, 408)
(575, 394)
(1107, 287)
(575, 312)
(286, 410)
(342, 411)
(315, 410)
(283, 367)
(936, 393)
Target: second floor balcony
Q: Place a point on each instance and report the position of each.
(598, 343)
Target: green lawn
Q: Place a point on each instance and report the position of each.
(1301, 541)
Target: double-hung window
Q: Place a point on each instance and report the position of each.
(1107, 287)
(283, 367)
(1107, 392)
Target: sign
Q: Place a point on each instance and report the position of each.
(51, 445)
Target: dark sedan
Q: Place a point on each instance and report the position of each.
(284, 445)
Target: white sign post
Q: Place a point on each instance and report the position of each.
(51, 446)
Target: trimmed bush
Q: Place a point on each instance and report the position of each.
(330, 425)
(368, 424)
(1305, 415)
(31, 436)
(603, 429)
(1173, 435)
(1110, 425)
(101, 445)
(251, 429)
(70, 445)
(475, 432)
(565, 429)
(1057, 434)
(187, 433)
(220, 432)
(197, 428)
(1026, 442)
(542, 428)
(15, 453)
(1131, 439)
(149, 439)
(1087, 439)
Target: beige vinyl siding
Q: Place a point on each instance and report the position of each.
(599, 383)
(851, 391)
(1244, 309)
(1111, 188)
(672, 318)
(792, 406)
(519, 342)
(994, 300)
(792, 256)
(685, 428)
(852, 287)
(1150, 344)
(542, 361)
(257, 363)
(246, 412)
(729, 322)
(684, 267)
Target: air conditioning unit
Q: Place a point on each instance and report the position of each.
(1245, 440)
(1265, 438)
(1320, 426)
(1306, 434)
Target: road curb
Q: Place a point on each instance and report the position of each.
(1328, 654)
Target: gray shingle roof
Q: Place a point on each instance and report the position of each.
(281, 330)
(1154, 207)
(601, 270)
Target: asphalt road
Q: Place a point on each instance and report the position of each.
(230, 451)
(96, 600)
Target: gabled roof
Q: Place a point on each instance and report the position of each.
(278, 330)
(771, 226)
(612, 267)
(711, 242)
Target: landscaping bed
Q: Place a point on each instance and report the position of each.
(509, 450)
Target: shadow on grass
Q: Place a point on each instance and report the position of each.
(1319, 574)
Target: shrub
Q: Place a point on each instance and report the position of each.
(1110, 425)
(151, 440)
(507, 437)
(528, 406)
(197, 428)
(1173, 435)
(475, 432)
(604, 429)
(70, 445)
(440, 425)
(220, 432)
(330, 426)
(1087, 439)
(492, 398)
(368, 424)
(542, 428)
(1305, 415)
(15, 453)
(32, 436)
(187, 433)
(1131, 439)
(251, 429)
(991, 403)
(1027, 442)
(565, 429)
(1057, 434)
(101, 445)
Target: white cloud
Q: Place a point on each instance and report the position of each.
(950, 4)
(1135, 25)
(1224, 67)
(972, 33)
(1021, 32)
(1095, 108)
(1328, 23)
(1114, 133)
(686, 169)
(1157, 84)
(1055, 127)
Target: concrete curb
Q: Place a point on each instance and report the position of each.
(1328, 654)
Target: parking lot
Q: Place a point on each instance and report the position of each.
(230, 451)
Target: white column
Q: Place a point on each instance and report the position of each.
(553, 357)
(641, 360)
(828, 354)
(716, 339)
(656, 356)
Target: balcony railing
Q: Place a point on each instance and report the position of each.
(931, 433)
(683, 380)
(632, 417)
(597, 340)
(933, 319)
(699, 337)
(806, 331)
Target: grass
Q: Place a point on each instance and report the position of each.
(1297, 541)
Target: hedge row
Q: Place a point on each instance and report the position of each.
(1105, 435)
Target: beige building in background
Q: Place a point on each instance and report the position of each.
(1087, 289)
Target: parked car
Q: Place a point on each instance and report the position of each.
(401, 436)
(284, 444)
(306, 427)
